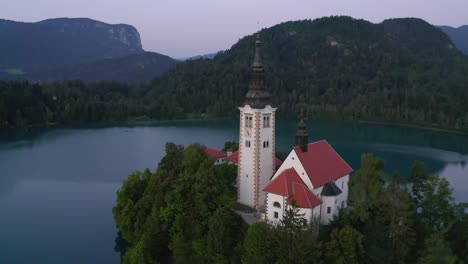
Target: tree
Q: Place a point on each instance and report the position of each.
(258, 246)
(125, 213)
(295, 242)
(366, 186)
(397, 215)
(458, 237)
(437, 250)
(232, 145)
(433, 199)
(223, 235)
(345, 246)
(165, 216)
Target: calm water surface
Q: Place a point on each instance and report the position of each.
(57, 186)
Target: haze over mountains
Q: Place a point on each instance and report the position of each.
(459, 36)
(77, 48)
(400, 70)
(89, 50)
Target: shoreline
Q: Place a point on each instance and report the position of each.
(438, 129)
(143, 122)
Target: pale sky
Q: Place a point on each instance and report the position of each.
(185, 28)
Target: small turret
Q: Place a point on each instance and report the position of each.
(302, 138)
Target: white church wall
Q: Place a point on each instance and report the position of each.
(316, 212)
(318, 191)
(267, 151)
(274, 214)
(307, 213)
(292, 161)
(342, 199)
(254, 159)
(220, 161)
(328, 209)
(245, 177)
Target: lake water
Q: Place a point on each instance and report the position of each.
(58, 185)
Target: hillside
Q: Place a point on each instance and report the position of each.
(133, 68)
(459, 36)
(64, 41)
(76, 48)
(401, 70)
(398, 71)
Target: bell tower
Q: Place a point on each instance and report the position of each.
(256, 137)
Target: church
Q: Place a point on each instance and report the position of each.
(313, 176)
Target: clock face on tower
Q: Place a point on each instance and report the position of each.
(248, 131)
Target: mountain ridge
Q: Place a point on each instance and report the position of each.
(332, 67)
(76, 48)
(459, 36)
(132, 68)
(64, 41)
(402, 71)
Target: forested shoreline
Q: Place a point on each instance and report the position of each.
(403, 71)
(185, 211)
(24, 105)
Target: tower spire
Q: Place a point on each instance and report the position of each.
(257, 63)
(302, 138)
(257, 96)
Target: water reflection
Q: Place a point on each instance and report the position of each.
(65, 178)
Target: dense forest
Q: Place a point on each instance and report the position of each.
(398, 71)
(185, 212)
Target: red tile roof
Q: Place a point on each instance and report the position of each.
(304, 197)
(214, 153)
(322, 164)
(283, 185)
(234, 158)
(278, 162)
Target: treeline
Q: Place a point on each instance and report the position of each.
(186, 212)
(23, 104)
(398, 71)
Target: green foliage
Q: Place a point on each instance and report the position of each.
(397, 216)
(232, 145)
(433, 199)
(382, 211)
(134, 68)
(345, 246)
(366, 186)
(290, 242)
(159, 213)
(183, 213)
(437, 251)
(64, 41)
(458, 237)
(398, 71)
(259, 238)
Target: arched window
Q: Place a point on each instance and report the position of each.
(248, 121)
(276, 204)
(266, 121)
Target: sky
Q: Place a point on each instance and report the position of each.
(186, 28)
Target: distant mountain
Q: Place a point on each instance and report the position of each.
(130, 69)
(76, 48)
(459, 36)
(64, 41)
(398, 71)
(204, 56)
(401, 70)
